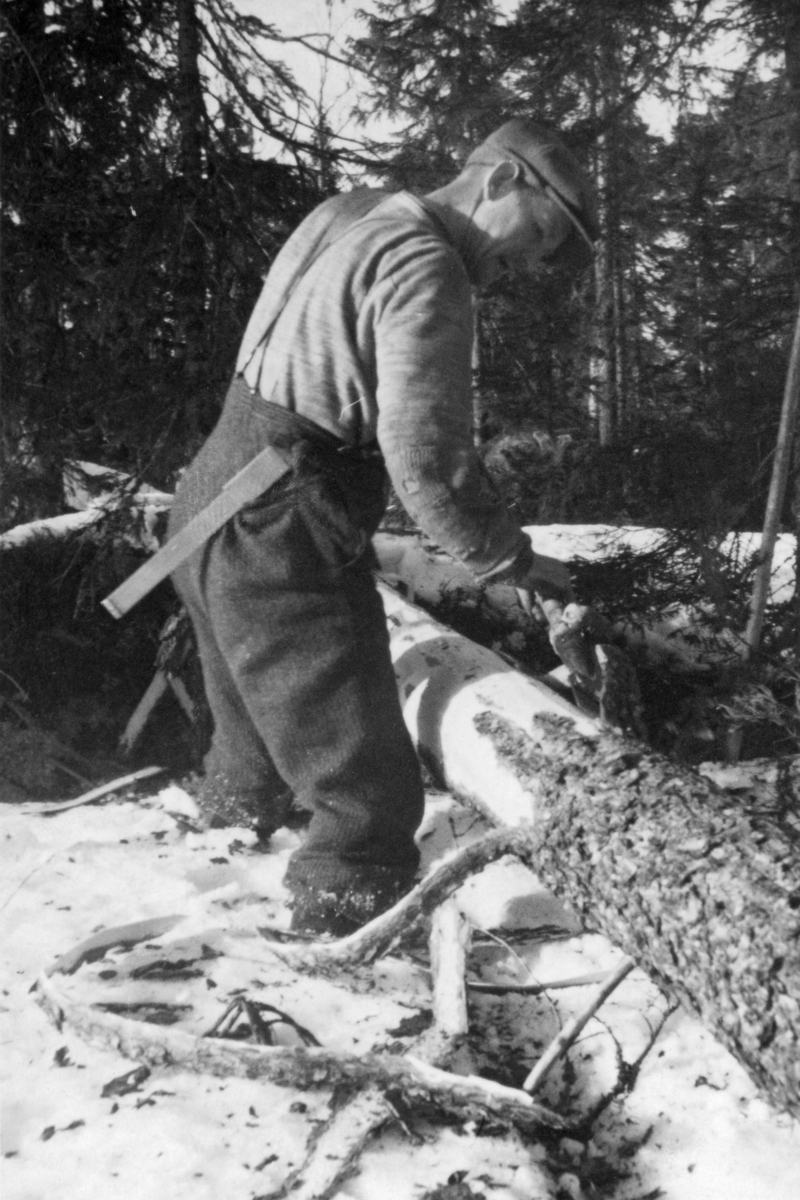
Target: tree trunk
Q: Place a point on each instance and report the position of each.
(477, 375)
(602, 391)
(610, 284)
(190, 285)
(703, 894)
(792, 58)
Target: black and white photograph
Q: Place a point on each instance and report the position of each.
(399, 623)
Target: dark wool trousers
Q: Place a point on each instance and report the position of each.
(294, 648)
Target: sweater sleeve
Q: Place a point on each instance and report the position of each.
(423, 329)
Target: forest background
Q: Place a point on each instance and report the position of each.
(157, 153)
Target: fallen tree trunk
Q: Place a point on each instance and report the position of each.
(146, 510)
(704, 895)
(50, 529)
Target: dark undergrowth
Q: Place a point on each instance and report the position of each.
(71, 677)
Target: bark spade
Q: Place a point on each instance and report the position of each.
(701, 892)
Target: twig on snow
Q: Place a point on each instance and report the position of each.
(560, 1044)
(42, 863)
(628, 1072)
(130, 934)
(262, 1019)
(95, 794)
(333, 1152)
(534, 989)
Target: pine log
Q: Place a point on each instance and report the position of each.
(143, 533)
(702, 892)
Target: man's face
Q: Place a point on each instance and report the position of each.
(520, 226)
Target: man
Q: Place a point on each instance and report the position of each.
(356, 368)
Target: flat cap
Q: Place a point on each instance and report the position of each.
(557, 172)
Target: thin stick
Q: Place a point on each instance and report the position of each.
(559, 1046)
(333, 1153)
(777, 491)
(94, 794)
(534, 989)
(628, 1073)
(42, 863)
(143, 711)
(81, 779)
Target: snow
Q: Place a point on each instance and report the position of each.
(692, 1128)
(426, 574)
(185, 1135)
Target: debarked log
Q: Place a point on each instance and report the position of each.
(703, 893)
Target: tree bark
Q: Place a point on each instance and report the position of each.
(190, 295)
(701, 893)
(792, 59)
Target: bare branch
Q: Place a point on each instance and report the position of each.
(566, 1038)
(303, 1067)
(379, 935)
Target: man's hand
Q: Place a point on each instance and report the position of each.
(547, 579)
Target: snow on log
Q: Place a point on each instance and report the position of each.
(48, 528)
(701, 892)
(680, 638)
(422, 567)
(147, 509)
(96, 492)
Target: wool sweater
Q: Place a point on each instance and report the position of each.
(365, 327)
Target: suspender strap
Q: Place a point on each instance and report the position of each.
(245, 487)
(262, 471)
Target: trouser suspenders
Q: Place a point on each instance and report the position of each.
(253, 479)
(247, 485)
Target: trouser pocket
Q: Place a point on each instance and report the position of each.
(320, 517)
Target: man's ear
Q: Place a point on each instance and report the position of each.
(502, 178)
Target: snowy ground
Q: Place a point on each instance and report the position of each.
(693, 1128)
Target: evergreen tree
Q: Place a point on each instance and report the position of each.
(450, 77)
(137, 225)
